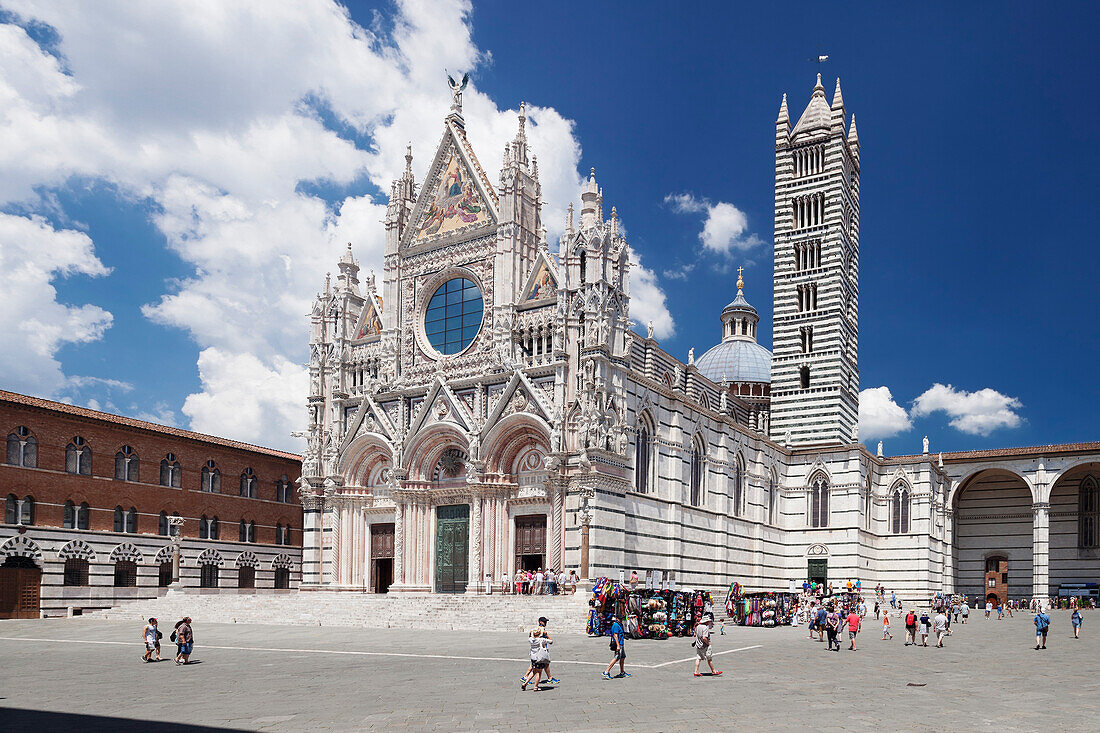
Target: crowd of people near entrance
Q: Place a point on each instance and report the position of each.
(540, 582)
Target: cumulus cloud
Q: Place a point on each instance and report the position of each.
(647, 300)
(33, 256)
(879, 415)
(725, 227)
(976, 413)
(221, 116)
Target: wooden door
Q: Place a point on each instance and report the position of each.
(381, 541)
(452, 548)
(531, 542)
(19, 592)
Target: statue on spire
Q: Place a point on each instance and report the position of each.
(456, 91)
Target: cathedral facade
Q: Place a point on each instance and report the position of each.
(490, 409)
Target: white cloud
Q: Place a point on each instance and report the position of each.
(879, 415)
(33, 255)
(724, 228)
(216, 114)
(648, 301)
(976, 413)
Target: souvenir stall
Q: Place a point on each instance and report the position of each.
(646, 613)
(759, 609)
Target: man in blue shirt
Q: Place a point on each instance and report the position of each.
(1042, 623)
(618, 646)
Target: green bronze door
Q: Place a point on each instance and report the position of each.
(818, 570)
(452, 548)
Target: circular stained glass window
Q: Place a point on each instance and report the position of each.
(454, 316)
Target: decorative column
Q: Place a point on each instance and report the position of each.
(474, 579)
(1040, 550)
(399, 544)
(949, 551)
(558, 512)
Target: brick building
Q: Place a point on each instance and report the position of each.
(88, 499)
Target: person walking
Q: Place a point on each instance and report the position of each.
(702, 646)
(854, 620)
(886, 625)
(893, 600)
(504, 586)
(832, 628)
(988, 608)
(965, 610)
(540, 658)
(149, 635)
(925, 623)
(876, 610)
(618, 646)
(821, 619)
(939, 626)
(1075, 619)
(911, 628)
(573, 581)
(551, 679)
(184, 637)
(1042, 625)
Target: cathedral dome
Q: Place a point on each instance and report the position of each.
(738, 358)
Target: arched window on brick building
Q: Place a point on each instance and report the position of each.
(78, 457)
(125, 574)
(211, 478)
(249, 484)
(170, 472)
(126, 464)
(22, 448)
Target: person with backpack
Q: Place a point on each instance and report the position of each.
(925, 624)
(1075, 619)
(911, 628)
(1042, 625)
(701, 642)
(618, 646)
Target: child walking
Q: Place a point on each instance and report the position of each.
(886, 626)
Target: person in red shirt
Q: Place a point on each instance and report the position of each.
(853, 629)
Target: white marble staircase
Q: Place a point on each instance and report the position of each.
(568, 614)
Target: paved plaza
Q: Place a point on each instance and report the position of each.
(83, 674)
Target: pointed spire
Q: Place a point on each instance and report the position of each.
(838, 98)
(569, 219)
(853, 136)
(590, 193)
(409, 159)
(614, 222)
(784, 117)
(818, 87)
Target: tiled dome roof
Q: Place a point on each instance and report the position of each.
(736, 360)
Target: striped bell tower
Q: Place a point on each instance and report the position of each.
(815, 371)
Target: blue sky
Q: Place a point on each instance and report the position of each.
(176, 199)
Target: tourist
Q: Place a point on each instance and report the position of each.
(1042, 624)
(940, 626)
(574, 579)
(876, 610)
(150, 635)
(504, 582)
(546, 634)
(849, 585)
(702, 644)
(805, 587)
(633, 580)
(1000, 611)
(965, 610)
(832, 628)
(563, 582)
(988, 607)
(893, 600)
(1075, 619)
(540, 658)
(911, 628)
(955, 610)
(185, 640)
(854, 620)
(551, 582)
(820, 620)
(1008, 608)
(862, 608)
(925, 623)
(886, 625)
(539, 579)
(618, 646)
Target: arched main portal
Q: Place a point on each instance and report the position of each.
(993, 529)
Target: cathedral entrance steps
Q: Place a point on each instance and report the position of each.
(568, 614)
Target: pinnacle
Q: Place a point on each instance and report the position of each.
(784, 116)
(838, 98)
(853, 136)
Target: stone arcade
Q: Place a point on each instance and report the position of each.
(491, 409)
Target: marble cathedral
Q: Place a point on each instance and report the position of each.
(490, 409)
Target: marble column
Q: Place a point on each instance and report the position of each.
(1040, 550)
(949, 551)
(474, 578)
(399, 545)
(558, 526)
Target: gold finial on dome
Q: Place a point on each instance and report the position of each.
(740, 279)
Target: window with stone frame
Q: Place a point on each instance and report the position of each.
(899, 510)
(282, 490)
(642, 442)
(164, 574)
(696, 474)
(208, 575)
(282, 578)
(22, 448)
(738, 497)
(126, 464)
(819, 502)
(125, 574)
(211, 478)
(162, 524)
(78, 457)
(773, 500)
(171, 474)
(1088, 513)
(249, 484)
(76, 571)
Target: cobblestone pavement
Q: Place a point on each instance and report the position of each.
(87, 675)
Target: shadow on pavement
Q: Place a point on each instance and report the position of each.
(46, 722)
